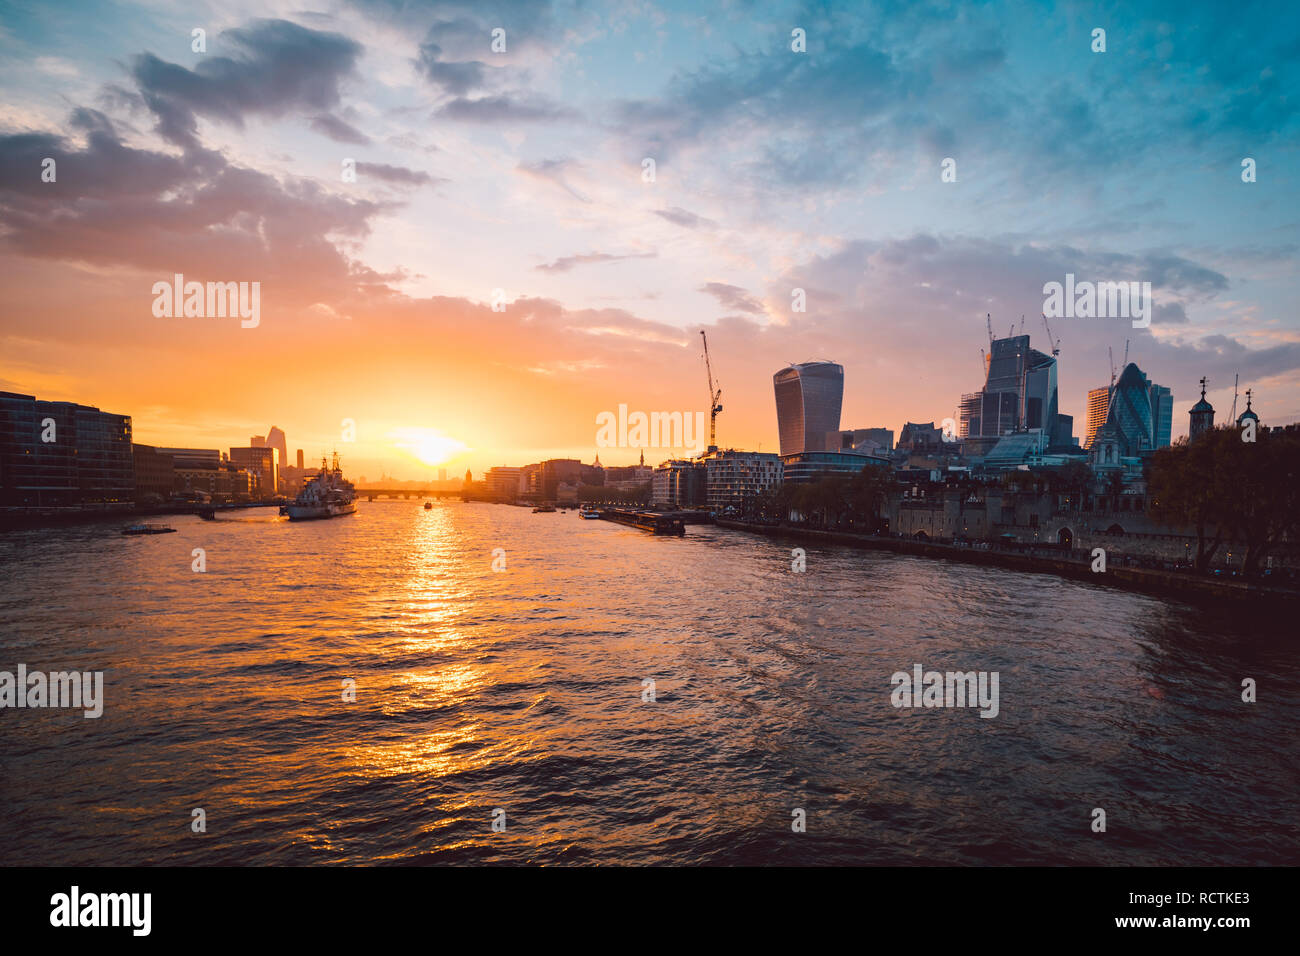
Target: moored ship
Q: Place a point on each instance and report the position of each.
(327, 494)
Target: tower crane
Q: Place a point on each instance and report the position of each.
(715, 395)
(1125, 365)
(1053, 342)
(988, 320)
(1111, 352)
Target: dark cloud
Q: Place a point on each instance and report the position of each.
(454, 78)
(197, 213)
(396, 175)
(1171, 313)
(734, 297)
(566, 263)
(276, 67)
(339, 131)
(685, 218)
(504, 109)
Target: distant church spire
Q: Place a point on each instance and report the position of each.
(642, 457)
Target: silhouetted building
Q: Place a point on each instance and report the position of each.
(1019, 394)
(812, 465)
(846, 440)
(1248, 414)
(155, 472)
(808, 401)
(679, 484)
(1140, 411)
(1201, 416)
(261, 464)
(63, 455)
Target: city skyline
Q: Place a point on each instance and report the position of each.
(516, 181)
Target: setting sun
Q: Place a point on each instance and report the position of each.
(428, 445)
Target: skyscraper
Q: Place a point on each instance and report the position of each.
(808, 401)
(1142, 410)
(1098, 407)
(1019, 393)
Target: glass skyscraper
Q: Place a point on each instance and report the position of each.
(1142, 410)
(808, 401)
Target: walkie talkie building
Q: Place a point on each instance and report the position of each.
(808, 400)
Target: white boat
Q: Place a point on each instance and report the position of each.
(327, 494)
(588, 513)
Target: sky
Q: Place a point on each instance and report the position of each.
(519, 177)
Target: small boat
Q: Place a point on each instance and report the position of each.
(428, 506)
(208, 514)
(148, 529)
(588, 513)
(544, 509)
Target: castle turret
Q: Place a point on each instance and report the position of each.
(1202, 416)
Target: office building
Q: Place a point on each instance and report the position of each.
(846, 440)
(505, 482)
(1141, 412)
(63, 455)
(1019, 394)
(155, 472)
(1098, 408)
(731, 476)
(261, 464)
(808, 402)
(813, 465)
(679, 483)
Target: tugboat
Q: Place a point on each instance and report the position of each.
(327, 494)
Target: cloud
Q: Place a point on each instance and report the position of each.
(112, 205)
(554, 171)
(276, 67)
(734, 297)
(339, 131)
(685, 218)
(455, 78)
(566, 263)
(397, 175)
(503, 109)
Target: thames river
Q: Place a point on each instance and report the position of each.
(523, 697)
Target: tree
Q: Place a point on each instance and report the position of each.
(1226, 488)
(868, 492)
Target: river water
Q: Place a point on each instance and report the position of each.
(522, 690)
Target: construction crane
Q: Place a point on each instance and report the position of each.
(984, 364)
(988, 320)
(715, 404)
(1111, 352)
(1234, 395)
(1125, 365)
(1053, 342)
